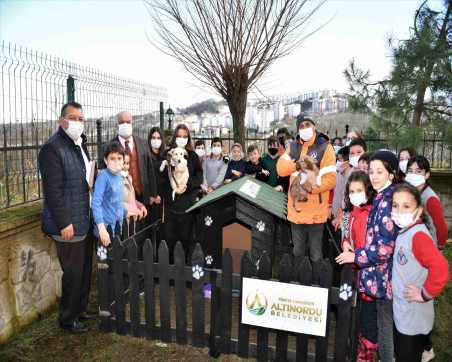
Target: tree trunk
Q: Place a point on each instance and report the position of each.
(236, 80)
(237, 107)
(419, 107)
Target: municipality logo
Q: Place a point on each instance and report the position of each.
(256, 303)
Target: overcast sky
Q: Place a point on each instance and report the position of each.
(111, 36)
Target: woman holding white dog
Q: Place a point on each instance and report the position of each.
(179, 197)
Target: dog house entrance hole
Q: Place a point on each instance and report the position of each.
(236, 238)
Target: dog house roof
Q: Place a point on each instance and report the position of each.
(254, 191)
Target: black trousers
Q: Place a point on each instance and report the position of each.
(76, 262)
(409, 348)
(368, 320)
(179, 227)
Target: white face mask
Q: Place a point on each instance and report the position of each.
(115, 167)
(156, 143)
(306, 133)
(358, 198)
(181, 142)
(200, 152)
(125, 130)
(216, 151)
(74, 129)
(124, 173)
(336, 148)
(403, 220)
(415, 179)
(348, 141)
(354, 161)
(403, 165)
(338, 165)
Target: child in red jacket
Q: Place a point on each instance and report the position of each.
(419, 273)
(358, 202)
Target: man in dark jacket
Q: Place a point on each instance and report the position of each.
(141, 168)
(65, 169)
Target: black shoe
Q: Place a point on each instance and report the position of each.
(87, 316)
(75, 327)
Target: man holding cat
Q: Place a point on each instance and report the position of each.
(308, 217)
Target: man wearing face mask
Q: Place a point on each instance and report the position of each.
(307, 224)
(141, 168)
(65, 168)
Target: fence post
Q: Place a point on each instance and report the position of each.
(344, 316)
(70, 85)
(246, 270)
(149, 291)
(120, 312)
(265, 273)
(99, 139)
(134, 288)
(226, 302)
(162, 117)
(325, 281)
(304, 276)
(285, 275)
(165, 316)
(197, 262)
(181, 294)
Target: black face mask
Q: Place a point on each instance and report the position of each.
(273, 151)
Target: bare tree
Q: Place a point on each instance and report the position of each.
(229, 44)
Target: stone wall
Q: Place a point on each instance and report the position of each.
(30, 274)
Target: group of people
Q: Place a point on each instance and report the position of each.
(389, 220)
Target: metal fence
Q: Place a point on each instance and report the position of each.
(432, 146)
(34, 86)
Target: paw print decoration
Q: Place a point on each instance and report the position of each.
(208, 221)
(209, 259)
(102, 252)
(260, 226)
(198, 272)
(345, 292)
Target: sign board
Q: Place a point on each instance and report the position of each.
(284, 306)
(250, 188)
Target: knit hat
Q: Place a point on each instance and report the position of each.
(388, 156)
(301, 118)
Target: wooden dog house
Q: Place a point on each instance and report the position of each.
(246, 214)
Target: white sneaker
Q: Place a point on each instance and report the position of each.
(428, 355)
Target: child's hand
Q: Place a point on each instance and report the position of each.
(413, 294)
(337, 221)
(210, 189)
(265, 172)
(143, 213)
(236, 173)
(279, 188)
(163, 165)
(346, 246)
(346, 257)
(228, 180)
(204, 188)
(103, 235)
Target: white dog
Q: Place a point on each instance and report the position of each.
(177, 170)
